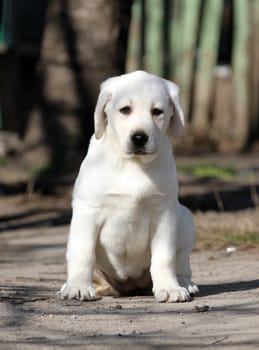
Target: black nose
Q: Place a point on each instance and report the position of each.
(139, 139)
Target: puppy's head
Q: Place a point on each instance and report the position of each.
(138, 109)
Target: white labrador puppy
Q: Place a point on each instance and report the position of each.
(127, 222)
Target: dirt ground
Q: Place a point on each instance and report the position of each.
(225, 314)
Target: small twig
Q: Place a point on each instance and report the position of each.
(217, 341)
(219, 201)
(21, 300)
(253, 192)
(30, 190)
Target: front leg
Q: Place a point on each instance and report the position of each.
(166, 286)
(81, 255)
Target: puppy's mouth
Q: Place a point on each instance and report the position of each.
(140, 152)
(139, 148)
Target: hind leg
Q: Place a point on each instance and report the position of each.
(185, 245)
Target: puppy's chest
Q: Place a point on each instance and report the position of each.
(129, 206)
(127, 224)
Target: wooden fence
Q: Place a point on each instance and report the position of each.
(210, 48)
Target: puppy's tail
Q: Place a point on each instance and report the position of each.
(103, 288)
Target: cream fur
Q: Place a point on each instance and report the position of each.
(127, 222)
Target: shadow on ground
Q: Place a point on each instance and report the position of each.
(214, 289)
(211, 194)
(35, 218)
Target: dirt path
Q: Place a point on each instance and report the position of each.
(224, 315)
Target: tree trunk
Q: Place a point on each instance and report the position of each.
(84, 43)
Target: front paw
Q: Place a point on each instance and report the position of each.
(176, 294)
(78, 291)
(189, 285)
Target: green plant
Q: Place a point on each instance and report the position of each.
(3, 161)
(38, 171)
(246, 237)
(209, 170)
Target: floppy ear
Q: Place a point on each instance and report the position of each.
(176, 126)
(99, 113)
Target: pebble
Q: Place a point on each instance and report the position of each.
(230, 250)
(202, 308)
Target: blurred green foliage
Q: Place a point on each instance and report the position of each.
(246, 237)
(209, 170)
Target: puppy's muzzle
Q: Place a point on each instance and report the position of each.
(139, 139)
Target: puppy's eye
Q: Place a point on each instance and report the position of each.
(156, 112)
(125, 110)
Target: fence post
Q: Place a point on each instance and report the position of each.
(255, 70)
(221, 125)
(187, 45)
(240, 62)
(133, 60)
(154, 38)
(207, 56)
(174, 35)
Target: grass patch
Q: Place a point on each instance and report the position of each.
(39, 171)
(246, 237)
(3, 161)
(239, 240)
(209, 171)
